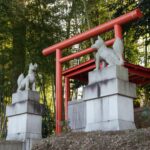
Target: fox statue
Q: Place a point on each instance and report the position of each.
(107, 55)
(24, 83)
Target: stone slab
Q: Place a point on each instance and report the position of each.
(77, 115)
(24, 126)
(11, 145)
(23, 136)
(108, 73)
(25, 95)
(117, 86)
(111, 87)
(109, 108)
(31, 107)
(112, 125)
(75, 102)
(91, 91)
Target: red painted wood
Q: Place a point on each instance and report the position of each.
(135, 14)
(58, 92)
(118, 31)
(87, 69)
(138, 74)
(82, 65)
(67, 96)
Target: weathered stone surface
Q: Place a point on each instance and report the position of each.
(117, 86)
(112, 125)
(18, 145)
(106, 110)
(24, 126)
(109, 87)
(77, 118)
(22, 107)
(91, 91)
(25, 95)
(24, 117)
(11, 145)
(100, 113)
(108, 73)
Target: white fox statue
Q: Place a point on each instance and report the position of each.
(107, 55)
(24, 83)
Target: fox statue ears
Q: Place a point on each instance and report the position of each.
(100, 39)
(98, 43)
(35, 65)
(31, 64)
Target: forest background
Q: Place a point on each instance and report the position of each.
(28, 26)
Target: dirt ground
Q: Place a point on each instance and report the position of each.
(138, 139)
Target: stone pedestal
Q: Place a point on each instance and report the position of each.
(107, 102)
(24, 117)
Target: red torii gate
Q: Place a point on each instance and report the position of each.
(89, 65)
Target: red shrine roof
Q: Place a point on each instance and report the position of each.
(137, 74)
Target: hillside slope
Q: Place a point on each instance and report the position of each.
(117, 140)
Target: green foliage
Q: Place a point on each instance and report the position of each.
(134, 31)
(146, 113)
(136, 103)
(65, 127)
(48, 122)
(26, 28)
(147, 95)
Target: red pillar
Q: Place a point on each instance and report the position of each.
(58, 91)
(118, 31)
(67, 96)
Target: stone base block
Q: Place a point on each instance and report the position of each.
(24, 126)
(109, 87)
(18, 145)
(114, 112)
(25, 95)
(113, 107)
(108, 73)
(22, 107)
(77, 115)
(112, 125)
(23, 136)
(11, 145)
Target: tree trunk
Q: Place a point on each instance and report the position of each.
(145, 58)
(18, 55)
(87, 18)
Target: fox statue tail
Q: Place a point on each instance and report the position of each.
(20, 78)
(118, 49)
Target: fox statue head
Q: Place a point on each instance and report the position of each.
(98, 43)
(33, 67)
